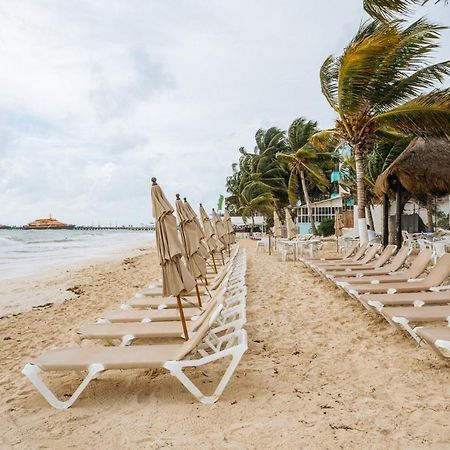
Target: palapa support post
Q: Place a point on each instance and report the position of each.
(398, 215)
(198, 296)
(182, 318)
(385, 219)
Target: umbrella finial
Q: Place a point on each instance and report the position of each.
(185, 199)
(177, 196)
(154, 183)
(201, 206)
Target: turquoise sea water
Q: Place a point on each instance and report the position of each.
(27, 252)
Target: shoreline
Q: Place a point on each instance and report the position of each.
(57, 284)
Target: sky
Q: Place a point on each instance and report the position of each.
(98, 96)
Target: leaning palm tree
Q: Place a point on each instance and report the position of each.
(377, 86)
(387, 9)
(256, 198)
(302, 162)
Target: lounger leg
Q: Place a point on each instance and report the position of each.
(32, 371)
(176, 369)
(404, 323)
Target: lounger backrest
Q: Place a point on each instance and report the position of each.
(399, 259)
(440, 271)
(419, 264)
(360, 252)
(384, 256)
(370, 254)
(351, 249)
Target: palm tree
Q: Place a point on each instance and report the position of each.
(301, 160)
(387, 9)
(377, 85)
(255, 198)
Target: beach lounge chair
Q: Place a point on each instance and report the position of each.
(317, 265)
(348, 253)
(361, 269)
(172, 357)
(370, 254)
(437, 338)
(351, 275)
(232, 314)
(417, 268)
(404, 316)
(416, 299)
(437, 276)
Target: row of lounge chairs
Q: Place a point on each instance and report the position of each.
(215, 332)
(408, 291)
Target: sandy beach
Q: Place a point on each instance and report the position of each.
(320, 372)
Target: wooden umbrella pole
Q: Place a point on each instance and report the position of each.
(182, 318)
(205, 280)
(214, 262)
(198, 296)
(229, 251)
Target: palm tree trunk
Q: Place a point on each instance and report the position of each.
(253, 225)
(308, 203)
(361, 194)
(370, 217)
(429, 212)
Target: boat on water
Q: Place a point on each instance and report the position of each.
(48, 224)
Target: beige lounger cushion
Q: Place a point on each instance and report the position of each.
(136, 357)
(424, 314)
(432, 334)
(149, 330)
(153, 315)
(154, 302)
(408, 298)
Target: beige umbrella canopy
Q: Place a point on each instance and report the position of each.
(176, 278)
(208, 230)
(338, 224)
(290, 225)
(191, 241)
(219, 230)
(203, 247)
(276, 225)
(231, 235)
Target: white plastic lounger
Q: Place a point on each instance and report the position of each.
(349, 252)
(361, 270)
(172, 357)
(416, 299)
(437, 338)
(403, 316)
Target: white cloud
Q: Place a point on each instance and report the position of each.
(98, 96)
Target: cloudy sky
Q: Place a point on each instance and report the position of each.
(98, 96)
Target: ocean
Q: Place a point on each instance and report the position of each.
(27, 252)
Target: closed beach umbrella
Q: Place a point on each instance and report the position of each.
(203, 247)
(276, 225)
(208, 230)
(219, 230)
(177, 279)
(290, 225)
(231, 236)
(191, 242)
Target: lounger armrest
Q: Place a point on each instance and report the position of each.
(375, 304)
(441, 343)
(440, 288)
(414, 280)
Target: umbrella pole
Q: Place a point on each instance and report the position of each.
(229, 251)
(214, 262)
(198, 296)
(183, 320)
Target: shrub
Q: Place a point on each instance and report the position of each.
(326, 227)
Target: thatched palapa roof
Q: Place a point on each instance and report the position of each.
(423, 168)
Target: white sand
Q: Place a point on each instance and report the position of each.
(321, 372)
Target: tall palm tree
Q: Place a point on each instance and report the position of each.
(377, 85)
(302, 159)
(387, 9)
